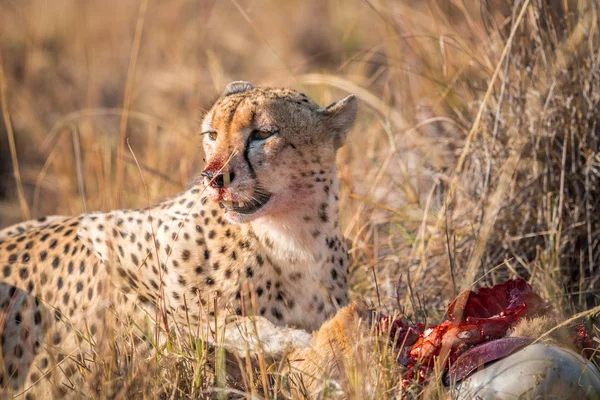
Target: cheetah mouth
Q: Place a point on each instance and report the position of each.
(259, 199)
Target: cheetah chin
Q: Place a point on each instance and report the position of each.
(257, 202)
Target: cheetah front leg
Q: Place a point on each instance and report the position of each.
(253, 335)
(318, 359)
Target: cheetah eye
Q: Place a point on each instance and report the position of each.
(262, 134)
(211, 134)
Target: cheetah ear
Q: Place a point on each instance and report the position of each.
(236, 87)
(339, 117)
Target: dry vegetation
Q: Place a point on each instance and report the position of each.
(476, 156)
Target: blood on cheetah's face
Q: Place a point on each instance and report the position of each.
(264, 146)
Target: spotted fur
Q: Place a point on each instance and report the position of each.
(68, 282)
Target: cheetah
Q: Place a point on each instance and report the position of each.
(255, 236)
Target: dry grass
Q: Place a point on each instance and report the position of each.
(476, 156)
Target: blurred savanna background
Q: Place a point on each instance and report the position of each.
(475, 157)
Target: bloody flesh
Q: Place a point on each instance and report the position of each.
(473, 318)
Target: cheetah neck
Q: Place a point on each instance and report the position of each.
(301, 234)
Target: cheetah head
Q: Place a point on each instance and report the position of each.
(264, 147)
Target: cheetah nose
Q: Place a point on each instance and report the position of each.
(219, 179)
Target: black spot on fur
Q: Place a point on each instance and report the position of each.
(276, 313)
